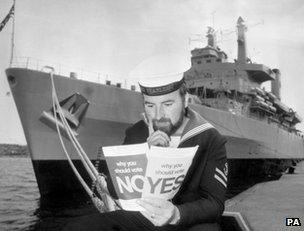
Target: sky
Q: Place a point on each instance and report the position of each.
(115, 37)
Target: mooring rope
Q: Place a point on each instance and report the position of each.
(96, 177)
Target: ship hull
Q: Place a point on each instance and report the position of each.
(111, 110)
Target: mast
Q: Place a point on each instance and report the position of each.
(13, 36)
(211, 35)
(242, 49)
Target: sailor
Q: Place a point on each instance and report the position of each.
(168, 121)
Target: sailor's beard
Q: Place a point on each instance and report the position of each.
(165, 124)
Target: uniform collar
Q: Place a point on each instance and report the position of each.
(196, 125)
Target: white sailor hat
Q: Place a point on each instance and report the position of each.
(161, 74)
(161, 85)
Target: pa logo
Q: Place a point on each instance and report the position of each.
(293, 222)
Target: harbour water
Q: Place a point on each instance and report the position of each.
(19, 195)
(20, 200)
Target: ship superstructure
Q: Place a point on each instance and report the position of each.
(236, 87)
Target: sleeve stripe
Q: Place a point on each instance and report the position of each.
(220, 180)
(221, 173)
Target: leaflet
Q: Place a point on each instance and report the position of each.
(138, 171)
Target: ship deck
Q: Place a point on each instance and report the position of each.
(267, 205)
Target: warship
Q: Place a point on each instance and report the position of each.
(262, 139)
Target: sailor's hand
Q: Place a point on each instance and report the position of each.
(159, 211)
(157, 138)
(102, 188)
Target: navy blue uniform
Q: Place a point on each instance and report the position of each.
(202, 194)
(201, 197)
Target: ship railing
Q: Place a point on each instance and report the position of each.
(75, 73)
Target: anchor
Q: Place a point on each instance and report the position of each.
(74, 109)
